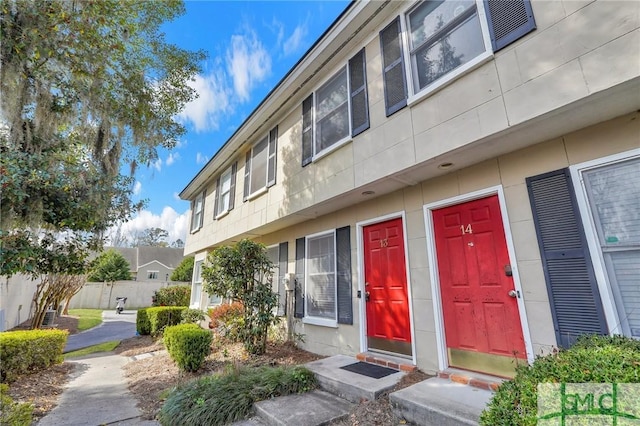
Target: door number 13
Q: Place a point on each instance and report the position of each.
(466, 229)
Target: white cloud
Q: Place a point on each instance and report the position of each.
(157, 164)
(173, 156)
(201, 158)
(176, 196)
(248, 63)
(137, 188)
(169, 220)
(213, 101)
(293, 43)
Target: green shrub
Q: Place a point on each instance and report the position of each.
(178, 295)
(163, 316)
(226, 398)
(593, 359)
(192, 316)
(143, 326)
(13, 413)
(188, 345)
(28, 351)
(227, 320)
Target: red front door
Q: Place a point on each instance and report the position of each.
(479, 303)
(386, 295)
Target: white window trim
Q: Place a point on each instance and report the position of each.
(597, 258)
(152, 272)
(258, 193)
(307, 319)
(196, 225)
(193, 303)
(318, 155)
(264, 188)
(453, 75)
(222, 213)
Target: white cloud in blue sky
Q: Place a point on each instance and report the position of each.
(137, 188)
(248, 63)
(173, 156)
(174, 223)
(295, 40)
(201, 158)
(205, 112)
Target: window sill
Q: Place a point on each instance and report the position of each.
(323, 322)
(256, 194)
(450, 78)
(329, 150)
(193, 231)
(222, 214)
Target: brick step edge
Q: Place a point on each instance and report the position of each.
(470, 380)
(405, 367)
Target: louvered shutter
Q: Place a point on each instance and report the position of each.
(359, 96)
(216, 201)
(193, 215)
(307, 130)
(508, 21)
(232, 187)
(395, 84)
(575, 300)
(247, 176)
(283, 266)
(298, 310)
(343, 252)
(271, 159)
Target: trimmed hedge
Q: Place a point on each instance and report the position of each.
(13, 413)
(179, 295)
(159, 318)
(188, 345)
(593, 359)
(143, 326)
(28, 351)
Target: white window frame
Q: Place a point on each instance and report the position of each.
(196, 288)
(307, 319)
(597, 257)
(261, 190)
(198, 212)
(415, 93)
(221, 209)
(152, 275)
(337, 144)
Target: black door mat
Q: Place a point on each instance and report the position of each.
(370, 370)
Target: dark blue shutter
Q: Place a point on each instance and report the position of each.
(395, 84)
(298, 310)
(307, 130)
(283, 265)
(573, 292)
(247, 176)
(359, 97)
(508, 21)
(217, 197)
(343, 252)
(272, 155)
(232, 189)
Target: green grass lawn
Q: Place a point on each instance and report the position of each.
(89, 318)
(102, 347)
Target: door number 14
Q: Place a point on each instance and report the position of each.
(466, 229)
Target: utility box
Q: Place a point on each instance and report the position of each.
(289, 281)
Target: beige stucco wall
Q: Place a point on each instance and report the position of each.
(612, 137)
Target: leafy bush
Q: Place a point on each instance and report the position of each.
(184, 270)
(593, 359)
(178, 295)
(28, 351)
(143, 326)
(227, 320)
(225, 398)
(192, 316)
(163, 316)
(13, 413)
(188, 345)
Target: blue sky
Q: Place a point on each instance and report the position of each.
(251, 45)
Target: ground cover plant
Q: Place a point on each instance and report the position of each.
(593, 359)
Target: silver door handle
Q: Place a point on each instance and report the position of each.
(512, 293)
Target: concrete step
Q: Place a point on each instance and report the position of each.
(315, 408)
(440, 402)
(347, 385)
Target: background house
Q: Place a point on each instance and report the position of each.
(151, 263)
(454, 184)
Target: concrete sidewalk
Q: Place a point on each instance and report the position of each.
(114, 327)
(96, 395)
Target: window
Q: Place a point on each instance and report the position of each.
(444, 38)
(320, 270)
(225, 191)
(196, 290)
(337, 111)
(152, 275)
(260, 165)
(197, 212)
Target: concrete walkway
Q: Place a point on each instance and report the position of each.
(114, 327)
